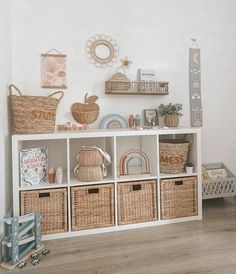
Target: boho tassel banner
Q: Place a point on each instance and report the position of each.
(53, 69)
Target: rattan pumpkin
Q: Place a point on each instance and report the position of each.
(119, 81)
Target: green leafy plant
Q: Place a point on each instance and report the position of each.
(170, 109)
(189, 164)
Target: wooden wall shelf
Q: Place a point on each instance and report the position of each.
(136, 87)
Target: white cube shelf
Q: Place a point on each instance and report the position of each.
(63, 148)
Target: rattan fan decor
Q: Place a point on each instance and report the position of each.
(87, 112)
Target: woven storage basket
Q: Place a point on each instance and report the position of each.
(33, 114)
(179, 198)
(90, 157)
(89, 173)
(119, 81)
(92, 206)
(173, 156)
(137, 202)
(51, 204)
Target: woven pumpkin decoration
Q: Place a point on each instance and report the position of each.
(120, 82)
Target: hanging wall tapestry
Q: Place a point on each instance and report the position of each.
(195, 85)
(53, 69)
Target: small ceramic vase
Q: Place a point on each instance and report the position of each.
(137, 120)
(51, 175)
(59, 175)
(131, 121)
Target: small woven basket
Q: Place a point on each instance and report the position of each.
(173, 156)
(90, 157)
(89, 173)
(33, 114)
(119, 81)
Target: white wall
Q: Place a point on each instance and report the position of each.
(5, 79)
(153, 34)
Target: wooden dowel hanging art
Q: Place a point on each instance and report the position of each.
(53, 69)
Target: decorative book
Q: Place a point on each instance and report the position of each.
(33, 165)
(216, 174)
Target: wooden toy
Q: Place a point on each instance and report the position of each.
(21, 240)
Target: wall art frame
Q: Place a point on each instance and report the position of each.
(150, 117)
(53, 70)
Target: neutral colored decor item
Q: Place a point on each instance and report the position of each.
(179, 197)
(87, 112)
(33, 165)
(131, 120)
(33, 114)
(146, 75)
(119, 80)
(92, 164)
(136, 202)
(137, 120)
(126, 87)
(52, 206)
(51, 175)
(173, 155)
(128, 157)
(195, 85)
(53, 69)
(189, 168)
(171, 113)
(59, 175)
(150, 117)
(102, 50)
(113, 121)
(218, 186)
(92, 206)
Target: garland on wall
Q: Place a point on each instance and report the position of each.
(195, 85)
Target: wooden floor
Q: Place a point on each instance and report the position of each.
(207, 246)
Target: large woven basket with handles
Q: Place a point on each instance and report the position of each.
(33, 114)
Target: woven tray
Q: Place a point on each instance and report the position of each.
(92, 206)
(179, 198)
(51, 204)
(137, 202)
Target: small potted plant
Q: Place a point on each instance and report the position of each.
(189, 168)
(171, 113)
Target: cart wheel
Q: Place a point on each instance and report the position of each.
(45, 252)
(35, 255)
(35, 261)
(22, 264)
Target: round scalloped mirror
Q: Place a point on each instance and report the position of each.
(102, 50)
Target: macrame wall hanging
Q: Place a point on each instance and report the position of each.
(53, 69)
(195, 85)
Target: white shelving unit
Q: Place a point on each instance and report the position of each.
(64, 146)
